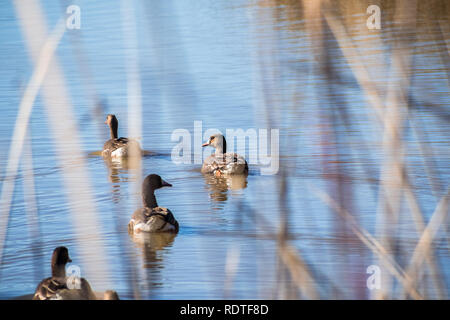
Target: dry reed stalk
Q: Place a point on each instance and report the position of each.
(373, 244)
(351, 54)
(266, 68)
(392, 182)
(134, 101)
(67, 145)
(31, 207)
(43, 59)
(298, 270)
(424, 246)
(391, 119)
(420, 228)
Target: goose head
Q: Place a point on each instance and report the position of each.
(218, 142)
(113, 124)
(150, 184)
(60, 258)
(153, 182)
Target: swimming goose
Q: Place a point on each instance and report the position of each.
(56, 288)
(152, 218)
(119, 147)
(222, 163)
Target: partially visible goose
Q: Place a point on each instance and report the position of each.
(152, 218)
(119, 147)
(222, 163)
(56, 288)
(110, 295)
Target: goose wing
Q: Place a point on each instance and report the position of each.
(48, 288)
(211, 164)
(113, 144)
(84, 292)
(235, 164)
(231, 163)
(153, 220)
(124, 144)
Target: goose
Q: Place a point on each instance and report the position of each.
(56, 287)
(152, 218)
(119, 147)
(222, 163)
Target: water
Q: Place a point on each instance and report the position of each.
(201, 61)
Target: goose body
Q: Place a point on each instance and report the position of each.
(151, 217)
(228, 164)
(119, 147)
(222, 163)
(49, 288)
(53, 289)
(56, 287)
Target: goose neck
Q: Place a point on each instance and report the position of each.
(149, 199)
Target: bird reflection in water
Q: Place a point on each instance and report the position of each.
(153, 246)
(121, 170)
(218, 186)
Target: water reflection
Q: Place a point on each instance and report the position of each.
(152, 242)
(119, 170)
(323, 78)
(218, 186)
(119, 166)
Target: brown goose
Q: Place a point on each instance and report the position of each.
(56, 287)
(222, 163)
(119, 147)
(152, 218)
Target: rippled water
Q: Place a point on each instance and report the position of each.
(200, 61)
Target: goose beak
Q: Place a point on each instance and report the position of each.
(69, 260)
(205, 144)
(165, 183)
